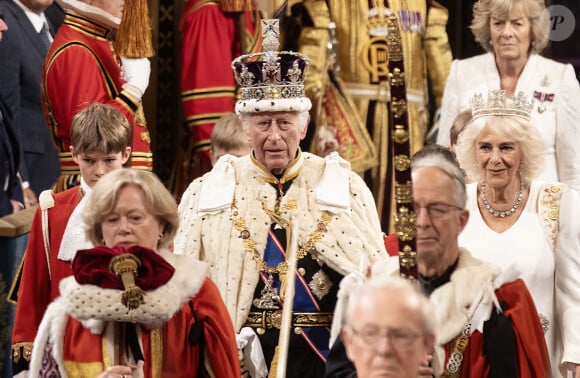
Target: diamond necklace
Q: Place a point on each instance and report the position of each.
(502, 214)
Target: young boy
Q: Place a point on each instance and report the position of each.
(459, 123)
(100, 137)
(228, 137)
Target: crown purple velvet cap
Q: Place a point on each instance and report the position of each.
(271, 81)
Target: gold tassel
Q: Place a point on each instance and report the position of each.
(125, 267)
(274, 364)
(134, 39)
(132, 297)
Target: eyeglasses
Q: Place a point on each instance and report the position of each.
(436, 210)
(399, 339)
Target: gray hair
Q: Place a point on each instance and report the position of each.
(521, 130)
(441, 157)
(536, 13)
(392, 283)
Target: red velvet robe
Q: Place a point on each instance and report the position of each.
(175, 356)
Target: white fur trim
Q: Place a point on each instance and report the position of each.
(93, 305)
(51, 329)
(299, 104)
(92, 12)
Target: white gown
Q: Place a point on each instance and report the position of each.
(526, 246)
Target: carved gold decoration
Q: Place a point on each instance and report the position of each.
(397, 78)
(394, 39)
(550, 201)
(405, 224)
(269, 319)
(404, 192)
(399, 107)
(407, 257)
(402, 162)
(250, 244)
(400, 135)
(125, 267)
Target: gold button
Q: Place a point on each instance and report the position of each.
(298, 330)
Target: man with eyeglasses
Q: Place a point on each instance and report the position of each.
(389, 328)
(486, 321)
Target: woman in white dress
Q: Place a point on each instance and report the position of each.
(522, 224)
(514, 32)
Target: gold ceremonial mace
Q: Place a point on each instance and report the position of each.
(405, 219)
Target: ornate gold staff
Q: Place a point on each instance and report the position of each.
(405, 218)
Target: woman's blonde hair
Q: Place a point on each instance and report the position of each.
(516, 128)
(484, 10)
(158, 201)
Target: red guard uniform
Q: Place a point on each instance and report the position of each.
(38, 285)
(81, 68)
(210, 42)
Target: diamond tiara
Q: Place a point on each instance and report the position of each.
(498, 103)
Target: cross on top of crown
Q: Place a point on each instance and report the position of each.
(270, 34)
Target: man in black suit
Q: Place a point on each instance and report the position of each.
(22, 55)
(10, 190)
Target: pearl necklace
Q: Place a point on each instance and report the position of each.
(502, 214)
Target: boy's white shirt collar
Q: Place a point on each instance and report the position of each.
(74, 237)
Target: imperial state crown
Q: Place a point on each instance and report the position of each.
(271, 81)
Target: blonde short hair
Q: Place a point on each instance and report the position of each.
(522, 131)
(461, 120)
(535, 10)
(228, 135)
(158, 201)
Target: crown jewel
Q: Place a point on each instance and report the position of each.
(271, 80)
(498, 103)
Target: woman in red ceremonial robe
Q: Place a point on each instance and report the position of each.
(133, 309)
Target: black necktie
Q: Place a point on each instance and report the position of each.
(44, 36)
